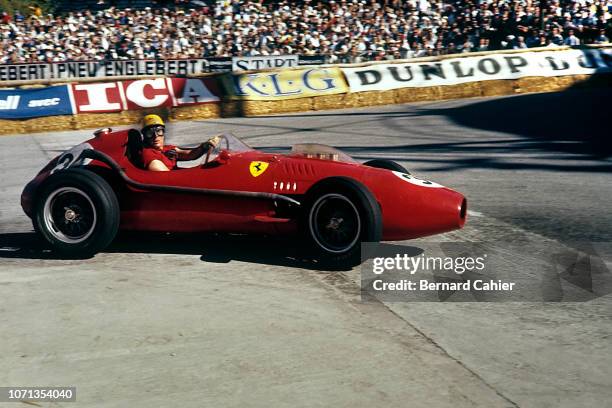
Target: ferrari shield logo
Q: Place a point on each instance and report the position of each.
(257, 168)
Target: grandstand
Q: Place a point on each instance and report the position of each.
(342, 31)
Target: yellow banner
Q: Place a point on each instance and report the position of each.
(292, 84)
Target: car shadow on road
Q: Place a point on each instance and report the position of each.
(212, 248)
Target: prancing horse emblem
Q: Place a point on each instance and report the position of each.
(257, 168)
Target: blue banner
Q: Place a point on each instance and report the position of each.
(35, 103)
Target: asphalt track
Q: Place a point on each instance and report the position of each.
(164, 321)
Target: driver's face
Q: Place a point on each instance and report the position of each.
(157, 140)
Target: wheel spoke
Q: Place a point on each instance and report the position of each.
(69, 214)
(336, 222)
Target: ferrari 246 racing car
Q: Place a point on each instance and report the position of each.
(80, 200)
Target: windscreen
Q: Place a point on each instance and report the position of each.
(233, 144)
(320, 151)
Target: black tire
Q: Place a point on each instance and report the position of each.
(340, 213)
(386, 164)
(76, 212)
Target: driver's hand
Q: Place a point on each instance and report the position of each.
(214, 141)
(171, 154)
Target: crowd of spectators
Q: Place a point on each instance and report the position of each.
(342, 30)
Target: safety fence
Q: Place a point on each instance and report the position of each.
(300, 89)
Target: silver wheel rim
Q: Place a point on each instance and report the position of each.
(349, 210)
(69, 215)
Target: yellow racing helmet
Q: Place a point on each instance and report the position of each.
(152, 126)
(152, 120)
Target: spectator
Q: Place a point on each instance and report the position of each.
(602, 38)
(556, 37)
(571, 39)
(520, 43)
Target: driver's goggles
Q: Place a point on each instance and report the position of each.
(154, 132)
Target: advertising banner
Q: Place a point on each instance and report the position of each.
(101, 69)
(312, 60)
(264, 62)
(143, 94)
(220, 64)
(33, 103)
(480, 68)
(109, 69)
(291, 84)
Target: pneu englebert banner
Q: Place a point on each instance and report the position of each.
(34, 103)
(453, 71)
(101, 69)
(293, 84)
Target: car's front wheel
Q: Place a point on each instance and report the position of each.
(76, 212)
(340, 214)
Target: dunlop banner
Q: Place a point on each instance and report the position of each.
(480, 68)
(294, 84)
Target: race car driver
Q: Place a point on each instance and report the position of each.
(159, 157)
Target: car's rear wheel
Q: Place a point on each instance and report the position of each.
(340, 213)
(386, 164)
(76, 212)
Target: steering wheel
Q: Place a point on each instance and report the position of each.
(212, 151)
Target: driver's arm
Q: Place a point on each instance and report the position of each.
(157, 165)
(196, 153)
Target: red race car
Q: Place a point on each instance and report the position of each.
(80, 200)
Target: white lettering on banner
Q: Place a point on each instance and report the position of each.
(481, 68)
(43, 102)
(10, 103)
(135, 92)
(144, 93)
(264, 62)
(195, 91)
(97, 97)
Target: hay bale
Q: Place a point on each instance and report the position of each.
(255, 108)
(9, 127)
(206, 111)
(48, 124)
(405, 95)
(339, 101)
(539, 84)
(497, 87)
(251, 108)
(467, 90)
(372, 98)
(231, 108)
